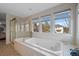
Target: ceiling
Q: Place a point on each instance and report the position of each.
(24, 9)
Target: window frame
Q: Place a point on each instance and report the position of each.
(43, 20)
(35, 20)
(26, 29)
(68, 20)
(18, 27)
(52, 25)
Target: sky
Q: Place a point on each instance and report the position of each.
(62, 22)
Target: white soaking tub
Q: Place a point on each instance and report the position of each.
(39, 47)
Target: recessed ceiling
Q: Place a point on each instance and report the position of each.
(24, 9)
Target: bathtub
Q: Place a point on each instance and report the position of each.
(38, 47)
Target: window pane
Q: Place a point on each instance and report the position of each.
(46, 26)
(62, 22)
(36, 27)
(46, 23)
(22, 27)
(27, 27)
(17, 27)
(36, 24)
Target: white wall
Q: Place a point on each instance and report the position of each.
(78, 25)
(78, 31)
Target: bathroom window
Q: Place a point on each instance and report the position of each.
(36, 27)
(46, 23)
(27, 27)
(22, 27)
(17, 27)
(36, 24)
(62, 22)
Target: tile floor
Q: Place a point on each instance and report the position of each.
(7, 50)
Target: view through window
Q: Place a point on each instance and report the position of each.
(62, 21)
(36, 26)
(46, 23)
